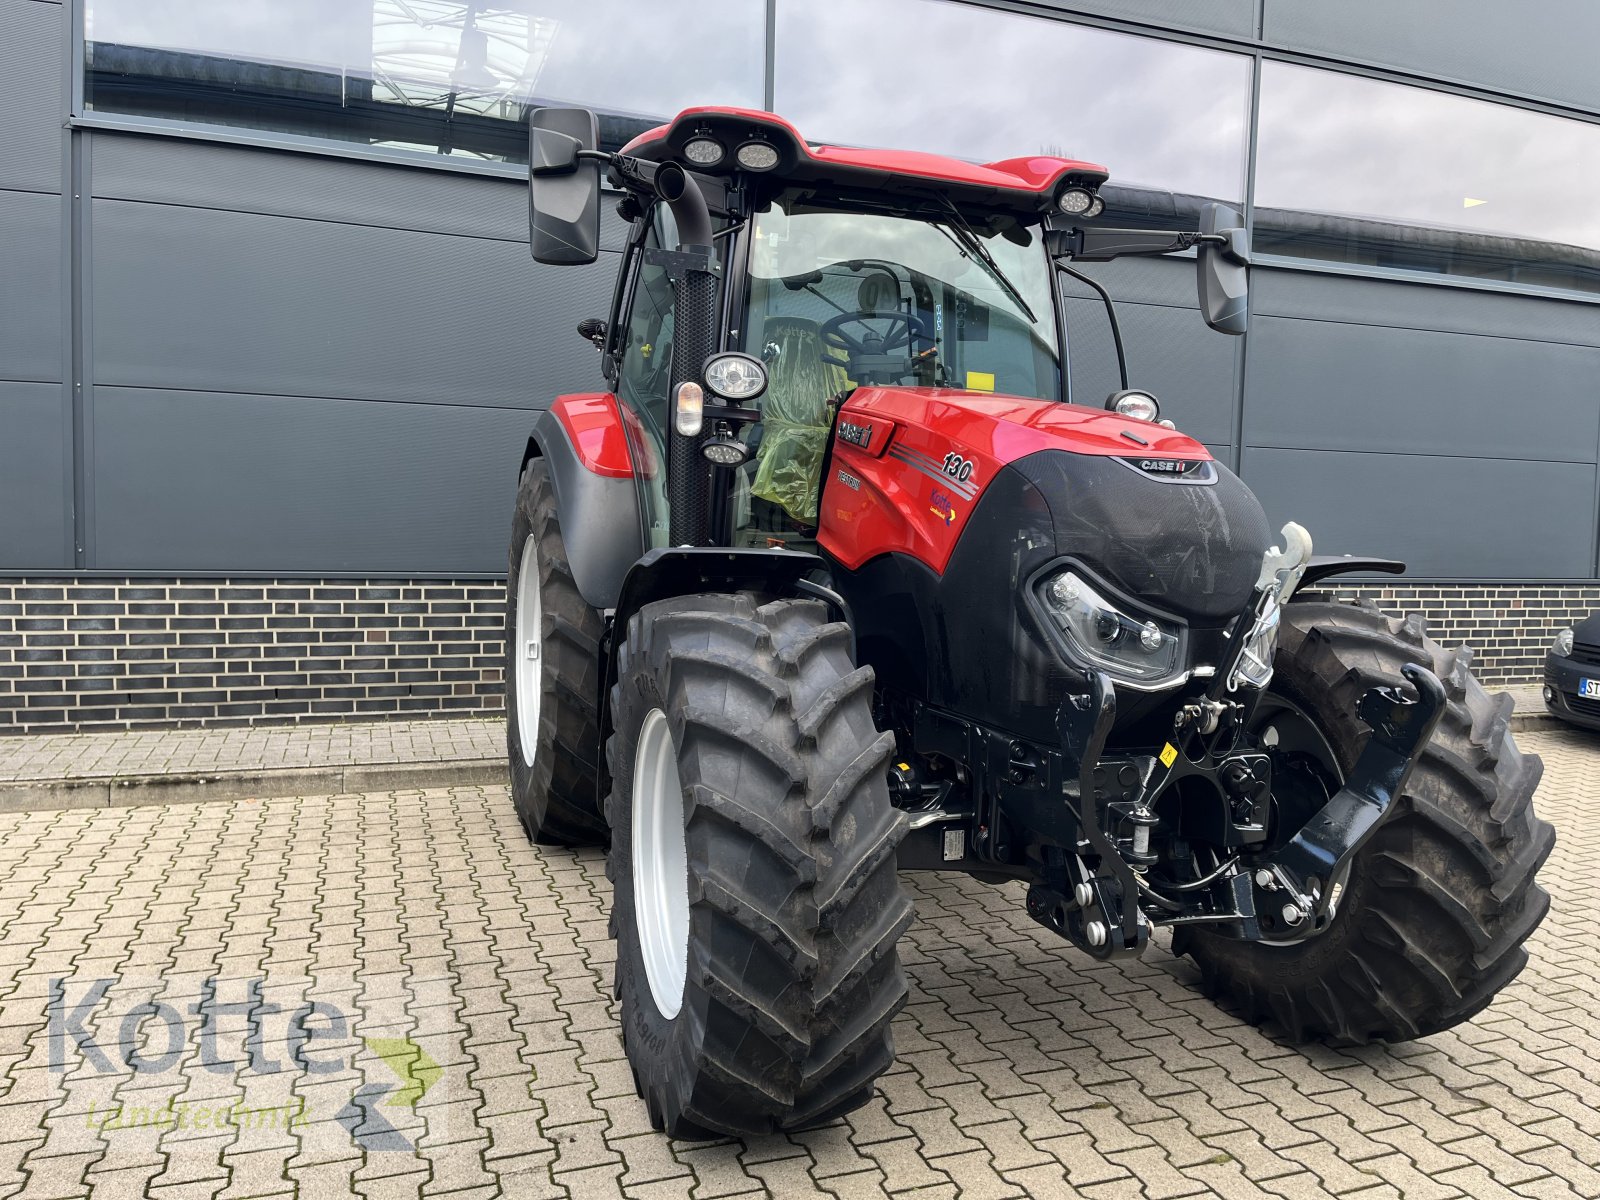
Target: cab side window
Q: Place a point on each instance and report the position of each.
(644, 382)
(647, 352)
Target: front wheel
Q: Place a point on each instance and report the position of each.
(1433, 914)
(756, 905)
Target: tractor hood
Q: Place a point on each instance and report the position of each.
(998, 429)
(943, 475)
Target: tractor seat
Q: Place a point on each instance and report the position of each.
(795, 416)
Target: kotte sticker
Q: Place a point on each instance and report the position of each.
(942, 506)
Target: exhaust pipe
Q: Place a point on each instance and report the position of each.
(688, 205)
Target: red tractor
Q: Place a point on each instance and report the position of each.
(836, 579)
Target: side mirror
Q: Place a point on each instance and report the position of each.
(563, 187)
(1223, 271)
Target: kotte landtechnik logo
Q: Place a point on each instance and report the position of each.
(116, 1028)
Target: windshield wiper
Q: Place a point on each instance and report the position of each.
(972, 245)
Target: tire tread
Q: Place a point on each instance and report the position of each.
(1443, 897)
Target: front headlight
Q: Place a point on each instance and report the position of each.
(1098, 634)
(1563, 643)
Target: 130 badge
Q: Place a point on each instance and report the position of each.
(958, 468)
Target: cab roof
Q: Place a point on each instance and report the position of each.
(1027, 185)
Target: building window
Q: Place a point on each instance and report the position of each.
(448, 77)
(1355, 170)
(1168, 120)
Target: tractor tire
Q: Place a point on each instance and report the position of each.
(1437, 905)
(756, 905)
(552, 676)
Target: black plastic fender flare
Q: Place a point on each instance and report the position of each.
(670, 571)
(1325, 566)
(599, 514)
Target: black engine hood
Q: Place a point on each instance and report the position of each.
(1191, 545)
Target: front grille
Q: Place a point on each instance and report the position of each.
(1585, 654)
(1584, 706)
(1192, 549)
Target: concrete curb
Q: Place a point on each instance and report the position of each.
(193, 788)
(123, 790)
(1537, 722)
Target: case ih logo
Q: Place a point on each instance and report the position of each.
(1173, 468)
(856, 435)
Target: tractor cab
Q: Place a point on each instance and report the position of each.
(834, 268)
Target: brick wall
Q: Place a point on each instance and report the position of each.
(85, 654)
(1509, 626)
(110, 653)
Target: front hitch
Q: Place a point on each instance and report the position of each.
(1308, 871)
(1095, 909)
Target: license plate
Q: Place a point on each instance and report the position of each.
(1589, 688)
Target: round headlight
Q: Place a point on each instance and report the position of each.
(704, 151)
(1141, 406)
(1563, 644)
(757, 156)
(735, 376)
(1075, 201)
(1096, 207)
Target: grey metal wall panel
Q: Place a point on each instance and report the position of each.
(1320, 385)
(1453, 518)
(30, 285)
(32, 93)
(285, 183)
(1234, 18)
(1538, 47)
(35, 457)
(1164, 280)
(205, 300)
(1170, 352)
(192, 481)
(1333, 297)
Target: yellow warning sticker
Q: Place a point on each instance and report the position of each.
(1169, 754)
(980, 381)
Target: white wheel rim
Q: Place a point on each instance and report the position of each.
(528, 651)
(660, 864)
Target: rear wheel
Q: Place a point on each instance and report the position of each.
(756, 905)
(552, 677)
(1436, 906)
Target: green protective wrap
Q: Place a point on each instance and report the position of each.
(796, 415)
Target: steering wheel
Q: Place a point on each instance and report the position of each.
(900, 329)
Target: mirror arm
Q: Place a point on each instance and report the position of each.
(1103, 245)
(1111, 316)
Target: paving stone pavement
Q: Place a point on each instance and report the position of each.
(462, 1038)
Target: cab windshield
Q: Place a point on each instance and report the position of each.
(844, 298)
